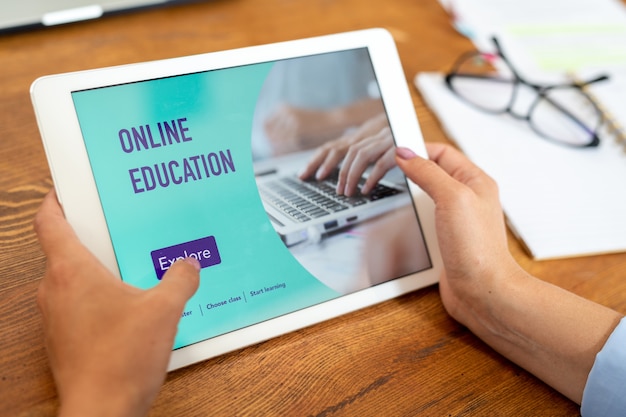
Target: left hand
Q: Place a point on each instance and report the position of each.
(108, 343)
(291, 129)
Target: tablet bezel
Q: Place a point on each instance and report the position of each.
(77, 193)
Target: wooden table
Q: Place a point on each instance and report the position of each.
(402, 357)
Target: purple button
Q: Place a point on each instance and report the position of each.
(204, 250)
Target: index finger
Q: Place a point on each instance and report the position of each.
(313, 164)
(446, 174)
(459, 167)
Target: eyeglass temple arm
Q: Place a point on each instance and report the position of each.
(502, 55)
(599, 78)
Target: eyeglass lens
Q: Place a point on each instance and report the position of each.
(562, 114)
(566, 115)
(477, 82)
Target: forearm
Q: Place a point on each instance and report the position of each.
(552, 333)
(357, 113)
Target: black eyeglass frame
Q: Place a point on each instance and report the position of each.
(542, 91)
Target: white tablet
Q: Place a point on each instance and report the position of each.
(200, 156)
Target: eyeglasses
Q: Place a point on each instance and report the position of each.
(562, 113)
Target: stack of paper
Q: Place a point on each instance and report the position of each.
(560, 201)
(548, 36)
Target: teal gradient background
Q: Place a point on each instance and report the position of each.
(219, 107)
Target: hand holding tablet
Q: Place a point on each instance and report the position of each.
(105, 338)
(161, 160)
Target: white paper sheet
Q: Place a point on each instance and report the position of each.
(561, 202)
(548, 36)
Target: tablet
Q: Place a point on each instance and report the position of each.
(202, 156)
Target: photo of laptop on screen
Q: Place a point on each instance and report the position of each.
(302, 211)
(192, 156)
(339, 87)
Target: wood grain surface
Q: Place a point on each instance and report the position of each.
(404, 357)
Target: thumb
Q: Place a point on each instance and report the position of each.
(181, 280)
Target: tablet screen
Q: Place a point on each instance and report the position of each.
(207, 165)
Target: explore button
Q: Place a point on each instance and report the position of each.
(204, 250)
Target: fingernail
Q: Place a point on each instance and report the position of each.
(405, 153)
(193, 262)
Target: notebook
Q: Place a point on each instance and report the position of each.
(560, 202)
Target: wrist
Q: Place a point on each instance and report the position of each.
(94, 401)
(503, 305)
(552, 333)
(484, 305)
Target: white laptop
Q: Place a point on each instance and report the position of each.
(309, 210)
(34, 13)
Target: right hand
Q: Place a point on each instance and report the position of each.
(470, 226)
(371, 143)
